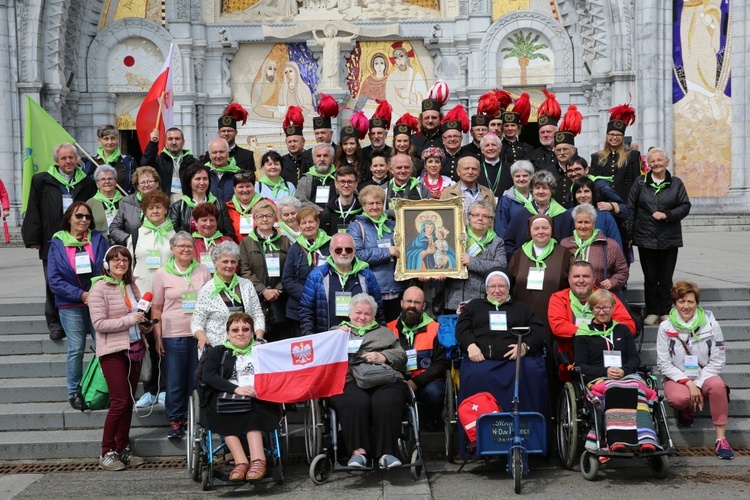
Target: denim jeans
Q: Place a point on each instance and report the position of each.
(432, 396)
(77, 323)
(181, 360)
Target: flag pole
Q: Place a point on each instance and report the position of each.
(158, 114)
(95, 163)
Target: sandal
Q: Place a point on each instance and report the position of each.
(257, 470)
(239, 472)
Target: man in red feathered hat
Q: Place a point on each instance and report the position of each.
(228, 131)
(378, 132)
(513, 148)
(479, 127)
(544, 156)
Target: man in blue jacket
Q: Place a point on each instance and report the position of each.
(330, 287)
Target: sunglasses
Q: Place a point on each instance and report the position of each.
(340, 250)
(83, 216)
(244, 175)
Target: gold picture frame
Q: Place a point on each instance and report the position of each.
(430, 237)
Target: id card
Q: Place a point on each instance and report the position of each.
(188, 302)
(245, 380)
(582, 321)
(384, 243)
(110, 217)
(474, 250)
(692, 368)
(498, 321)
(321, 258)
(176, 185)
(342, 303)
(206, 261)
(153, 259)
(67, 201)
(353, 346)
(342, 228)
(273, 265)
(83, 263)
(536, 279)
(246, 224)
(613, 359)
(411, 360)
(321, 194)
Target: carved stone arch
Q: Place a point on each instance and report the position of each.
(559, 43)
(109, 37)
(30, 34)
(88, 30)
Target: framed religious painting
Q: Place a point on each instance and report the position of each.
(430, 237)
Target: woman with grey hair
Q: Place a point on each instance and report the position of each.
(543, 185)
(288, 207)
(175, 288)
(515, 198)
(383, 405)
(221, 296)
(106, 201)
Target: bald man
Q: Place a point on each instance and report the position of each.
(223, 168)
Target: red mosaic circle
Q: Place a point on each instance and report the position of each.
(129, 61)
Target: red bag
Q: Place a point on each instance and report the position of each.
(474, 407)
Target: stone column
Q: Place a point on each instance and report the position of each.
(9, 160)
(739, 191)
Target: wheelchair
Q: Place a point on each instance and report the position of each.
(579, 411)
(203, 448)
(322, 441)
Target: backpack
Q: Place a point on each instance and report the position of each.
(94, 387)
(474, 407)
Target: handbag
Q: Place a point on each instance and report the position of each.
(369, 375)
(137, 351)
(276, 311)
(94, 387)
(229, 402)
(145, 375)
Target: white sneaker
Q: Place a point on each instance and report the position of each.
(651, 319)
(146, 400)
(161, 398)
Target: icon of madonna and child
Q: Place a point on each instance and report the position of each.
(431, 248)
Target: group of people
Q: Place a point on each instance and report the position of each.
(294, 248)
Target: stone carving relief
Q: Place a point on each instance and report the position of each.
(599, 96)
(55, 18)
(52, 102)
(331, 60)
(72, 37)
(593, 26)
(182, 10)
(320, 10)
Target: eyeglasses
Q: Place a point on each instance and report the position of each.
(346, 183)
(340, 250)
(602, 309)
(575, 169)
(480, 216)
(119, 260)
(611, 134)
(106, 179)
(147, 182)
(244, 175)
(496, 287)
(264, 216)
(373, 203)
(83, 216)
(182, 248)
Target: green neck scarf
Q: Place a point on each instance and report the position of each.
(116, 155)
(526, 201)
(288, 230)
(594, 178)
(496, 303)
(380, 224)
(580, 311)
(583, 245)
(657, 187)
(482, 242)
(209, 241)
(323, 177)
(108, 279)
(698, 321)
(161, 230)
(171, 268)
(236, 350)
(220, 286)
(275, 186)
(408, 186)
(109, 205)
(78, 176)
(210, 198)
(528, 250)
(139, 196)
(230, 168)
(585, 329)
(554, 208)
(361, 330)
(185, 152)
(410, 332)
(321, 238)
(238, 205)
(267, 243)
(357, 266)
(71, 241)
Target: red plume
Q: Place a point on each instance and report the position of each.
(359, 121)
(488, 104)
(384, 111)
(294, 116)
(236, 111)
(409, 120)
(328, 107)
(458, 113)
(572, 120)
(504, 98)
(624, 112)
(550, 107)
(522, 106)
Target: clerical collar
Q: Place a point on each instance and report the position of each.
(492, 163)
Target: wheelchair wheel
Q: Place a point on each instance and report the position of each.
(313, 424)
(567, 426)
(321, 468)
(284, 438)
(206, 477)
(416, 470)
(517, 469)
(659, 466)
(196, 456)
(589, 465)
(193, 442)
(449, 418)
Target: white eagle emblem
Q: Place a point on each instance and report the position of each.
(302, 352)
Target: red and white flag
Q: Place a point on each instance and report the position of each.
(310, 367)
(160, 95)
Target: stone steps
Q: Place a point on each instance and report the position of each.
(738, 353)
(723, 222)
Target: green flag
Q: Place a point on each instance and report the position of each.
(42, 134)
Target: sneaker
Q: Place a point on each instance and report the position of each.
(389, 462)
(111, 461)
(146, 400)
(685, 418)
(161, 398)
(127, 457)
(651, 319)
(175, 430)
(723, 450)
(357, 461)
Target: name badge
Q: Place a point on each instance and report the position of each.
(176, 185)
(206, 261)
(411, 360)
(354, 345)
(582, 321)
(245, 380)
(498, 321)
(342, 228)
(692, 368)
(342, 303)
(83, 263)
(110, 217)
(67, 201)
(246, 224)
(188, 302)
(273, 265)
(612, 358)
(384, 243)
(321, 258)
(153, 259)
(321, 194)
(535, 280)
(474, 250)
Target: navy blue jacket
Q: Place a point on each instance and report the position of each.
(515, 235)
(68, 286)
(222, 188)
(294, 276)
(381, 263)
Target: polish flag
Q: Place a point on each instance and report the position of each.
(294, 370)
(160, 95)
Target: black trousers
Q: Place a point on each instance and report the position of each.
(658, 269)
(51, 315)
(380, 408)
(156, 383)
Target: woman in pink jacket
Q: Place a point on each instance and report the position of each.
(113, 305)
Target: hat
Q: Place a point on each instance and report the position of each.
(433, 152)
(497, 273)
(569, 127)
(521, 111)
(361, 125)
(620, 117)
(382, 116)
(456, 119)
(564, 137)
(327, 108)
(430, 105)
(549, 111)
(348, 131)
(479, 121)
(293, 121)
(406, 125)
(232, 114)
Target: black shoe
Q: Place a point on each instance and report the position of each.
(57, 334)
(77, 403)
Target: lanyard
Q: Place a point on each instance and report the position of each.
(493, 185)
